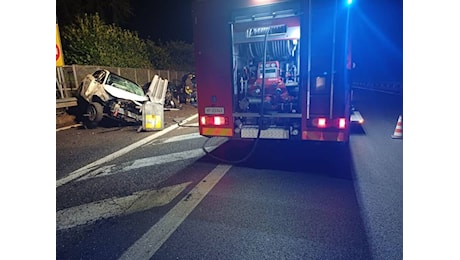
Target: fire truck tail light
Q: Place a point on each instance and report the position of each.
(321, 122)
(342, 123)
(213, 120)
(203, 120)
(219, 120)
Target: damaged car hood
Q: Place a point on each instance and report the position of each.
(91, 87)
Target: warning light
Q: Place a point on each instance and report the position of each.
(349, 2)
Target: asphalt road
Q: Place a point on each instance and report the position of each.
(167, 199)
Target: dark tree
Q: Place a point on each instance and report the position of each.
(111, 11)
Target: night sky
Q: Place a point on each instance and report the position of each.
(377, 44)
(378, 41)
(163, 20)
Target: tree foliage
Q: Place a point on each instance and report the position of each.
(180, 54)
(176, 55)
(158, 56)
(89, 41)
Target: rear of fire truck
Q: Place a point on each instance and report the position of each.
(273, 69)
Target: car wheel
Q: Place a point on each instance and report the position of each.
(94, 114)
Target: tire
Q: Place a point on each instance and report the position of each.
(94, 114)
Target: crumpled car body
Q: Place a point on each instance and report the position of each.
(104, 94)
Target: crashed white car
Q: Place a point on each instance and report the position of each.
(106, 94)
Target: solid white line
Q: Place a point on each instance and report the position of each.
(84, 170)
(150, 242)
(138, 201)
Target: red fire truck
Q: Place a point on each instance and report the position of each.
(274, 69)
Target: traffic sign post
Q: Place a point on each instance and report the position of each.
(59, 56)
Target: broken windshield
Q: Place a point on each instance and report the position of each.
(124, 84)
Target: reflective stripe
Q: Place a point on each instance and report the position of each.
(217, 131)
(323, 136)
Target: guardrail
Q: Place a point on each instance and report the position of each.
(387, 87)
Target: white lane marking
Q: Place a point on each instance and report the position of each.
(150, 242)
(138, 201)
(84, 170)
(146, 162)
(68, 127)
(102, 171)
(190, 125)
(182, 137)
(166, 158)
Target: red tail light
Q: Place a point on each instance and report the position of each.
(203, 120)
(342, 123)
(213, 120)
(321, 122)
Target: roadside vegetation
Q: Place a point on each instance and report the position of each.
(98, 38)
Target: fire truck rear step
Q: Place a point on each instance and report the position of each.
(271, 133)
